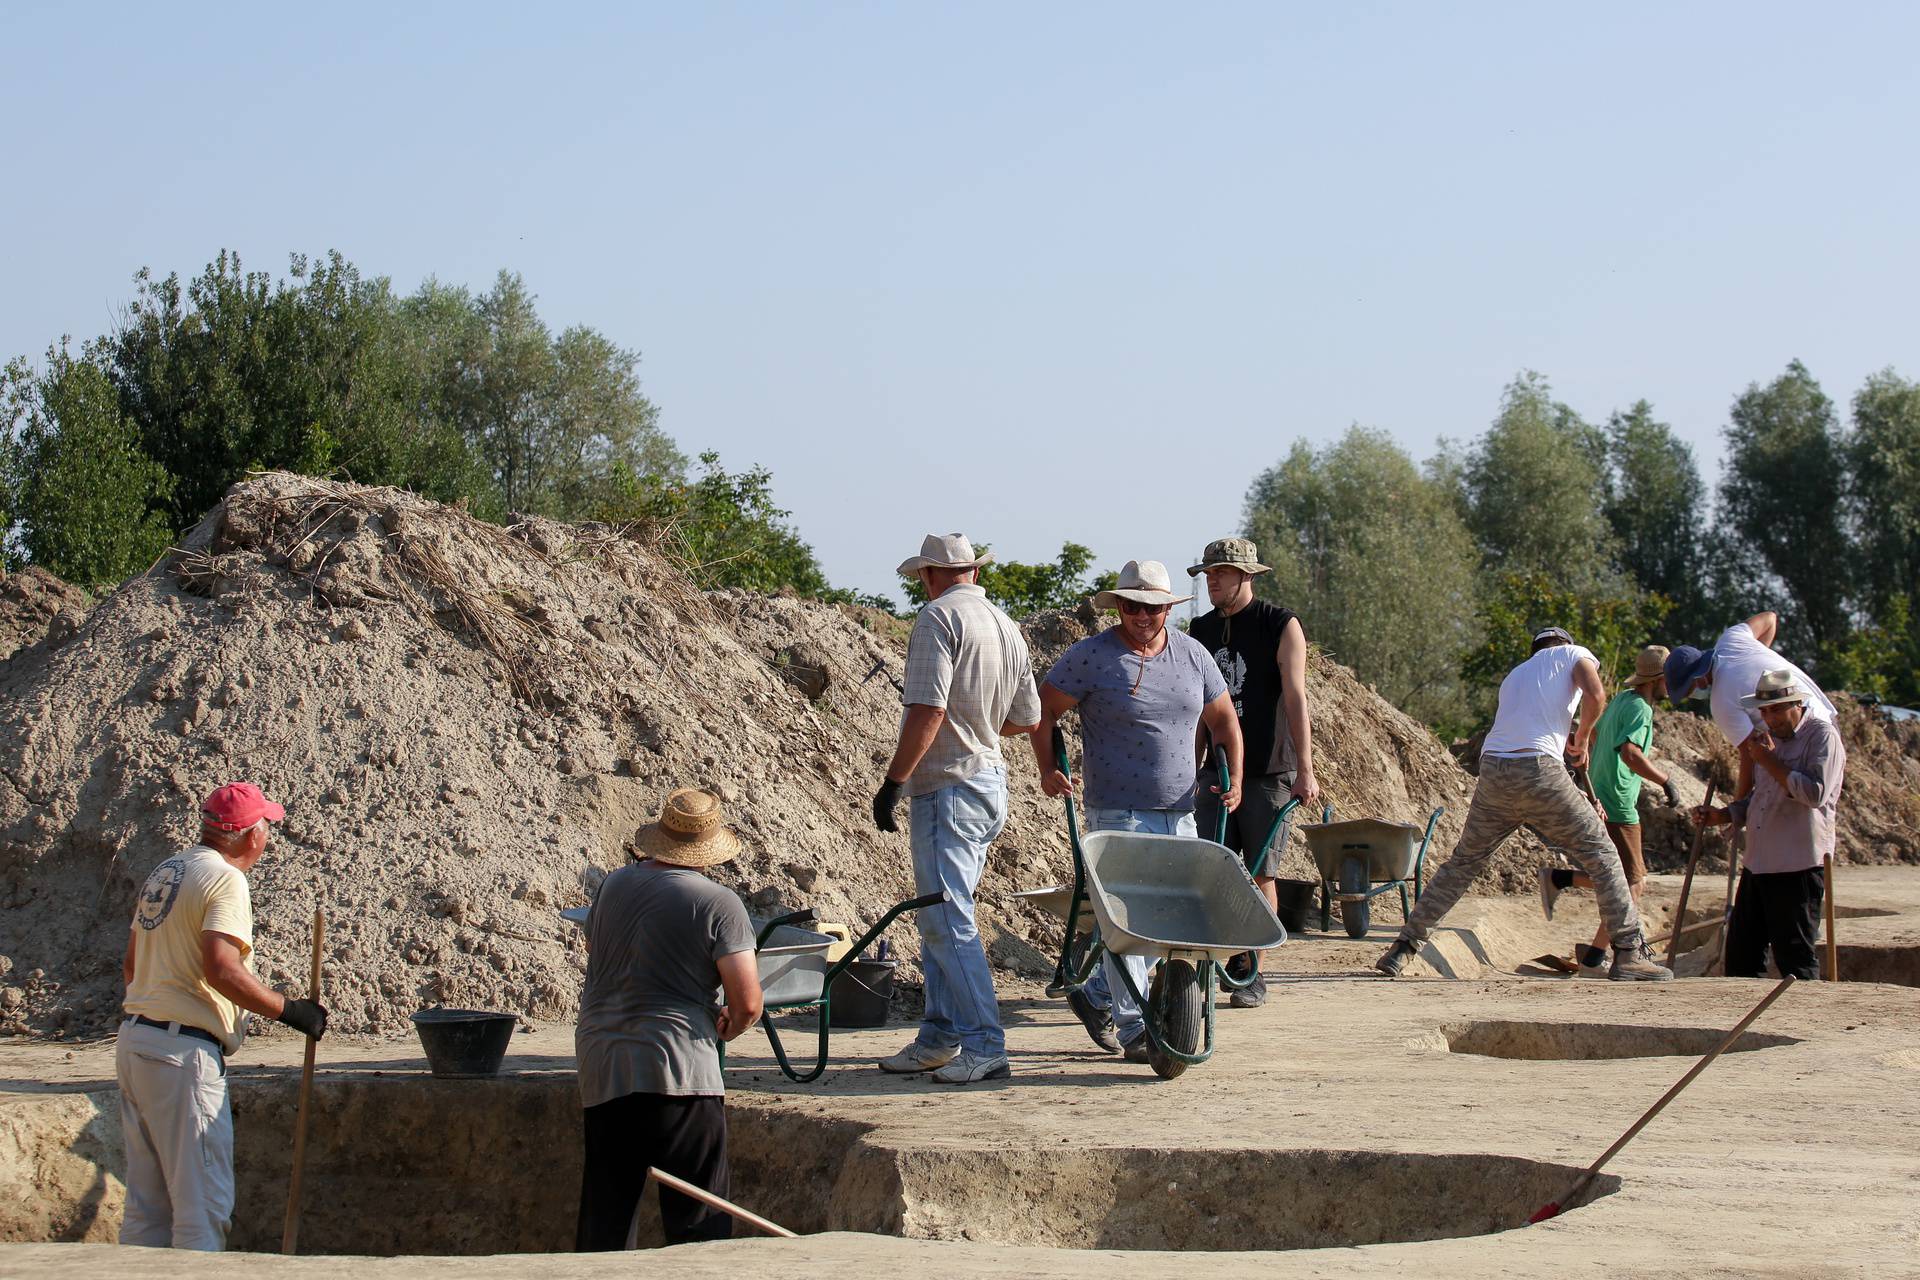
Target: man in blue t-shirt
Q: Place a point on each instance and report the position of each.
(1142, 690)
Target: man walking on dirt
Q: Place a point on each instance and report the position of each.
(1524, 782)
(189, 975)
(969, 683)
(1799, 763)
(1261, 650)
(1143, 690)
(1620, 744)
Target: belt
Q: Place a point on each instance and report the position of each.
(180, 1029)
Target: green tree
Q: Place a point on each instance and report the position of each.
(1783, 492)
(1534, 490)
(1613, 624)
(1656, 508)
(87, 499)
(1884, 465)
(1023, 589)
(1377, 561)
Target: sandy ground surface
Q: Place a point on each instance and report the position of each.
(1797, 1159)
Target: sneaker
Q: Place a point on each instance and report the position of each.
(1549, 892)
(1137, 1049)
(1251, 996)
(967, 1068)
(1634, 962)
(1396, 957)
(1593, 962)
(918, 1057)
(1097, 1021)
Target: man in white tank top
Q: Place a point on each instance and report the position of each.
(1524, 783)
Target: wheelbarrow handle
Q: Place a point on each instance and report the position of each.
(859, 944)
(1060, 749)
(1273, 832)
(803, 916)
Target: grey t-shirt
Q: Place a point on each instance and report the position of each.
(1138, 721)
(656, 934)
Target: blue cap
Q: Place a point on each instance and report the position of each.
(1683, 666)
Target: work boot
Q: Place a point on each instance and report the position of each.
(918, 1057)
(1396, 957)
(1097, 1021)
(1634, 962)
(968, 1067)
(1251, 996)
(1593, 961)
(1137, 1049)
(1549, 891)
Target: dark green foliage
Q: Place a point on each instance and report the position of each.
(1022, 589)
(1655, 505)
(1613, 624)
(1884, 458)
(87, 498)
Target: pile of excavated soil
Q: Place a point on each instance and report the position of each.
(35, 605)
(467, 723)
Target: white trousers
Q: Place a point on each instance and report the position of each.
(178, 1131)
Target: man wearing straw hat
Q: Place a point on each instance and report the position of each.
(670, 976)
(1261, 649)
(1799, 765)
(1143, 690)
(1620, 744)
(969, 683)
(1524, 782)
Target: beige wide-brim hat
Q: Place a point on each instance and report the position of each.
(1649, 664)
(943, 551)
(1230, 553)
(1142, 581)
(1774, 689)
(691, 832)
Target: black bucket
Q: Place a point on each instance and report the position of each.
(461, 1043)
(1296, 902)
(861, 993)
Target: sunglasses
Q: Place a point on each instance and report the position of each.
(1135, 606)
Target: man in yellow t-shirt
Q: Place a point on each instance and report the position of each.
(189, 976)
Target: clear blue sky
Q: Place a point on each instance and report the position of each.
(1035, 272)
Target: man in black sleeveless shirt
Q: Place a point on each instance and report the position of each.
(1262, 652)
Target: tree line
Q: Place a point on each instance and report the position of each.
(1427, 579)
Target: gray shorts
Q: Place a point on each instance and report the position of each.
(1247, 826)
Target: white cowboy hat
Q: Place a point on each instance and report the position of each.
(943, 551)
(1775, 689)
(1143, 581)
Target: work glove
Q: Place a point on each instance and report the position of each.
(1673, 794)
(883, 802)
(308, 1017)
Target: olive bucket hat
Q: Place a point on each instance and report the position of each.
(1230, 553)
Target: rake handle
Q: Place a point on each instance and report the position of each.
(1686, 885)
(290, 1231)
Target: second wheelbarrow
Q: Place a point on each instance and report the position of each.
(1362, 858)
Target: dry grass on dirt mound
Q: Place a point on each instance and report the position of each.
(466, 723)
(36, 606)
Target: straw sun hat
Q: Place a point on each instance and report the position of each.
(1775, 689)
(691, 832)
(1649, 664)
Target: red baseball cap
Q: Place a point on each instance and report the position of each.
(239, 805)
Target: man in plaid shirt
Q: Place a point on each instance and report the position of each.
(969, 683)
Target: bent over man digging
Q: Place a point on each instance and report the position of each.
(969, 683)
(190, 984)
(1523, 782)
(1143, 691)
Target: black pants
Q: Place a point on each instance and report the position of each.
(1782, 910)
(686, 1137)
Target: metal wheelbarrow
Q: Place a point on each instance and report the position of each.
(1361, 859)
(795, 974)
(1186, 902)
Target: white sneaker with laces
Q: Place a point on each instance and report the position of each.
(917, 1057)
(969, 1067)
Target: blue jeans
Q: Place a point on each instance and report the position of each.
(1105, 989)
(951, 829)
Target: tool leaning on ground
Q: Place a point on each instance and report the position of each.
(1554, 1208)
(290, 1231)
(1686, 885)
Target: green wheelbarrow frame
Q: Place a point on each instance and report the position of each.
(1330, 891)
(824, 1003)
(1256, 863)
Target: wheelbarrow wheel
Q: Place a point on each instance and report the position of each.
(1177, 1005)
(1356, 915)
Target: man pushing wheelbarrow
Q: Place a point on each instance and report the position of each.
(1142, 691)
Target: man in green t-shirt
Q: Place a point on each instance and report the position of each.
(1620, 744)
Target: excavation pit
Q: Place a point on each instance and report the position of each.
(1589, 1041)
(402, 1164)
(1898, 965)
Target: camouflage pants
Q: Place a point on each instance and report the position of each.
(1535, 792)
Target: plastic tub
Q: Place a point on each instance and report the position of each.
(463, 1043)
(861, 993)
(1296, 902)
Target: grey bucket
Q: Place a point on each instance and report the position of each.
(461, 1043)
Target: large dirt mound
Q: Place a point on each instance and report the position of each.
(35, 605)
(466, 723)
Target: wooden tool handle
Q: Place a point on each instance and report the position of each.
(290, 1231)
(1686, 885)
(713, 1201)
(1833, 943)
